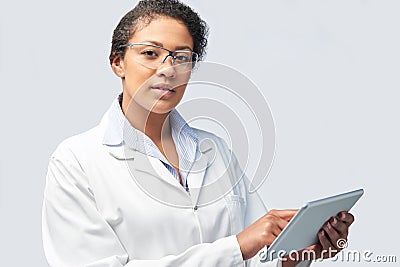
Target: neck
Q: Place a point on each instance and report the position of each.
(154, 125)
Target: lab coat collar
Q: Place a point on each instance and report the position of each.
(124, 147)
(118, 130)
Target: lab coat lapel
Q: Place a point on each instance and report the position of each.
(121, 152)
(152, 177)
(196, 175)
(205, 152)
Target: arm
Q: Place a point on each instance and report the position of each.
(334, 230)
(263, 231)
(261, 226)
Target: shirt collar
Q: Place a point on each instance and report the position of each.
(118, 131)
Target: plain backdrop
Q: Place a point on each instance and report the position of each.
(329, 70)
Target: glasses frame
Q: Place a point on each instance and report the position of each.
(170, 52)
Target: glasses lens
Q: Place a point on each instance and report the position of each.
(151, 56)
(182, 57)
(147, 55)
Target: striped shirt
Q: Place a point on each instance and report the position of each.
(183, 135)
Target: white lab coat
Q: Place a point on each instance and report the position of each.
(113, 206)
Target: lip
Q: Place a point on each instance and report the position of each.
(163, 90)
(163, 87)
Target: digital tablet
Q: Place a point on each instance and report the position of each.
(302, 229)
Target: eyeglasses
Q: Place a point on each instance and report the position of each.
(152, 56)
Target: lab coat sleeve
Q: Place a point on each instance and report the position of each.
(256, 209)
(75, 234)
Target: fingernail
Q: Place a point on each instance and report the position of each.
(334, 220)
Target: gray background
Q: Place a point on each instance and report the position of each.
(329, 69)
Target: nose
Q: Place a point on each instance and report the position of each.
(167, 68)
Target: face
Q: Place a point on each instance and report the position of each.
(157, 89)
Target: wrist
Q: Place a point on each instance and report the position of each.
(248, 251)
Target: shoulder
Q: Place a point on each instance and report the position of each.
(77, 145)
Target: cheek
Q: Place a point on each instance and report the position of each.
(181, 84)
(180, 91)
(135, 78)
(182, 80)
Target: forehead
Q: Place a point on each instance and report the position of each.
(168, 31)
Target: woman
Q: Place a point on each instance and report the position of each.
(127, 192)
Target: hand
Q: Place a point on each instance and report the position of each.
(332, 234)
(263, 232)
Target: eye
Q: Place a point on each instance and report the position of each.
(182, 58)
(149, 53)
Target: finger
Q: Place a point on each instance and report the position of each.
(346, 217)
(340, 227)
(332, 234)
(270, 232)
(276, 230)
(324, 241)
(284, 214)
(275, 221)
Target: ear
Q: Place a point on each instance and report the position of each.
(117, 66)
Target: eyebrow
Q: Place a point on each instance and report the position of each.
(160, 44)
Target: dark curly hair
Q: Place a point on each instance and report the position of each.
(145, 11)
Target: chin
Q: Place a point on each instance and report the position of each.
(161, 106)
(161, 109)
